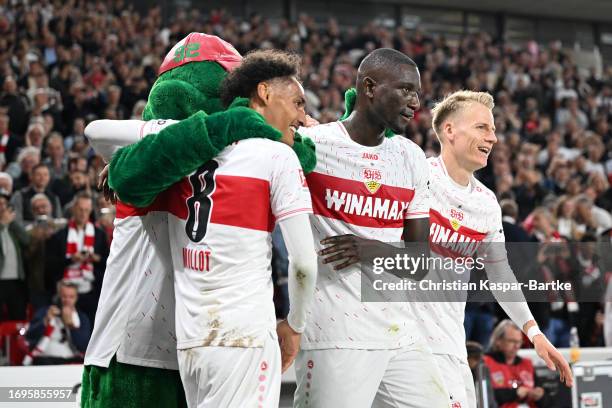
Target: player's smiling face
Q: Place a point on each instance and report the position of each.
(396, 97)
(285, 108)
(473, 135)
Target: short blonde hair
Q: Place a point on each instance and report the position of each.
(455, 102)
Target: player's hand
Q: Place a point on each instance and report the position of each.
(108, 192)
(553, 359)
(344, 249)
(289, 341)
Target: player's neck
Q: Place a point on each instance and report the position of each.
(363, 131)
(454, 169)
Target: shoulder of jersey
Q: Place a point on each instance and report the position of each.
(324, 129)
(264, 145)
(485, 195)
(435, 169)
(407, 145)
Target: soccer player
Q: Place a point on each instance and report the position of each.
(220, 220)
(367, 187)
(463, 208)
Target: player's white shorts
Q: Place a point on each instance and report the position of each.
(232, 377)
(458, 379)
(369, 378)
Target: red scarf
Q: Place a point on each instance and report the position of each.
(78, 272)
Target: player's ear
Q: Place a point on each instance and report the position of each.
(263, 92)
(448, 130)
(369, 84)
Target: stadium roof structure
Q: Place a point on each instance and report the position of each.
(591, 10)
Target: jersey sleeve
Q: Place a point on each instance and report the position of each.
(108, 136)
(495, 250)
(421, 202)
(289, 194)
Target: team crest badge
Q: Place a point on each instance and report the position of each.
(456, 218)
(498, 378)
(455, 224)
(372, 178)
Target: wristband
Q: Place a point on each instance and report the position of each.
(533, 331)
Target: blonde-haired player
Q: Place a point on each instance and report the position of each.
(464, 210)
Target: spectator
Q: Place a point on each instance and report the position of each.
(20, 171)
(63, 187)
(56, 158)
(13, 240)
(77, 253)
(40, 286)
(59, 333)
(39, 183)
(554, 264)
(35, 134)
(9, 142)
(513, 378)
(588, 265)
(17, 106)
(479, 320)
(480, 372)
(6, 183)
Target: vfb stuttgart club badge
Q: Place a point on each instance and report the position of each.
(372, 178)
(456, 218)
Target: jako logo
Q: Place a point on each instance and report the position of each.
(369, 156)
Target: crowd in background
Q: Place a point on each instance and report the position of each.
(64, 64)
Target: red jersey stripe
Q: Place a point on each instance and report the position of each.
(237, 201)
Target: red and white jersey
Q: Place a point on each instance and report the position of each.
(368, 192)
(468, 215)
(135, 315)
(221, 218)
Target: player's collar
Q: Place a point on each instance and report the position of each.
(453, 182)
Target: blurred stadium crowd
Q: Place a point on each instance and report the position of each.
(64, 64)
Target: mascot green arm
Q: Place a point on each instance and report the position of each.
(139, 172)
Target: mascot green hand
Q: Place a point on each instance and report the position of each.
(187, 89)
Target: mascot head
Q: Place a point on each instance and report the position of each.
(190, 76)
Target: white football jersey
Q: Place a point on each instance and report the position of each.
(469, 215)
(135, 315)
(220, 219)
(368, 192)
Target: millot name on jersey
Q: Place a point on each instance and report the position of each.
(196, 259)
(366, 206)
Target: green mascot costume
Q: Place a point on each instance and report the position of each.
(187, 89)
